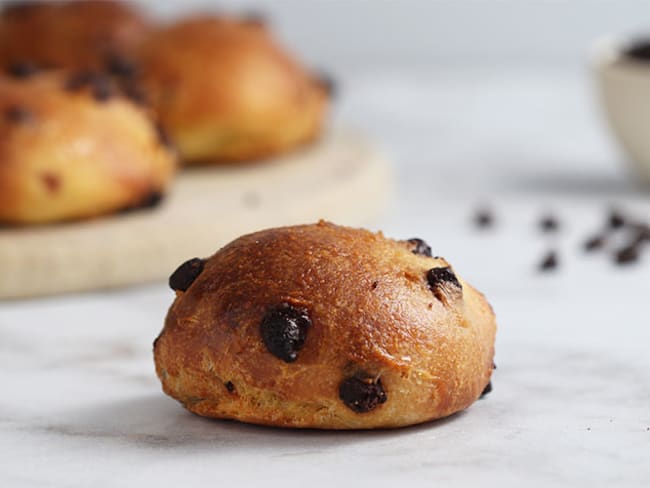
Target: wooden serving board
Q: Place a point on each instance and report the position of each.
(341, 178)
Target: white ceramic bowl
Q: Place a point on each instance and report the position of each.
(624, 88)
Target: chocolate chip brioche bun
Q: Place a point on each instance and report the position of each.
(81, 34)
(227, 92)
(71, 147)
(328, 327)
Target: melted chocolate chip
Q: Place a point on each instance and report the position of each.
(163, 136)
(374, 285)
(441, 281)
(549, 224)
(420, 247)
(594, 243)
(487, 389)
(100, 85)
(483, 219)
(22, 70)
(362, 394)
(51, 182)
(185, 274)
(18, 115)
(135, 94)
(627, 255)
(284, 331)
(639, 51)
(120, 66)
(549, 262)
(229, 386)
(152, 200)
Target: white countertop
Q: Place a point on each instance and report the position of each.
(81, 406)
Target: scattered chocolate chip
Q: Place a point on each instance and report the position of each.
(185, 274)
(362, 394)
(229, 386)
(120, 66)
(616, 220)
(18, 115)
(328, 83)
(374, 285)
(487, 389)
(627, 255)
(284, 331)
(22, 70)
(639, 50)
(441, 281)
(483, 219)
(494, 366)
(549, 262)
(549, 224)
(420, 247)
(594, 243)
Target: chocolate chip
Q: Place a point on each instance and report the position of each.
(163, 136)
(487, 389)
(51, 181)
(483, 219)
(100, 85)
(284, 331)
(549, 224)
(328, 83)
(627, 255)
(494, 366)
(229, 386)
(374, 285)
(420, 247)
(594, 243)
(549, 262)
(120, 66)
(102, 89)
(17, 114)
(135, 93)
(442, 281)
(22, 70)
(155, 341)
(616, 220)
(20, 7)
(362, 394)
(152, 200)
(640, 50)
(185, 274)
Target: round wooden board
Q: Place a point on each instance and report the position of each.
(342, 178)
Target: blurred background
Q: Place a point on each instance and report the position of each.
(499, 87)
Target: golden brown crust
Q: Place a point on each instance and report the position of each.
(74, 153)
(78, 34)
(373, 316)
(228, 93)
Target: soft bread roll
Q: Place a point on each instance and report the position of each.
(321, 326)
(72, 147)
(82, 34)
(227, 92)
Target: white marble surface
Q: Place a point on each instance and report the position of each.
(80, 404)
